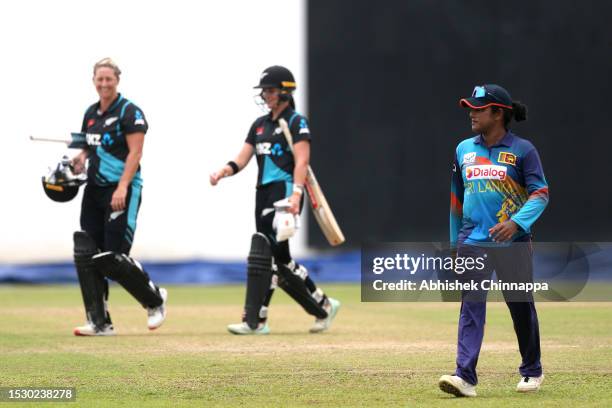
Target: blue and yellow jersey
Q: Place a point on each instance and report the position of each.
(493, 185)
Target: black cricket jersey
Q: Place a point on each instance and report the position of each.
(106, 133)
(274, 157)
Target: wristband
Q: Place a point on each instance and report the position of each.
(298, 188)
(234, 166)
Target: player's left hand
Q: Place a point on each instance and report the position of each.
(294, 200)
(118, 199)
(504, 231)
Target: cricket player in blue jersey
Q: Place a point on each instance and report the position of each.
(498, 191)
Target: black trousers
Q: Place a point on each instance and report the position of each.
(111, 230)
(264, 215)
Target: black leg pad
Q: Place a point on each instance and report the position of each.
(129, 274)
(94, 288)
(259, 277)
(296, 287)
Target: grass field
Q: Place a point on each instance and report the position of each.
(388, 355)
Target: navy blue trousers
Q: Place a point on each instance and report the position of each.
(511, 264)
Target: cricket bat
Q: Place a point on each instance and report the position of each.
(76, 141)
(320, 208)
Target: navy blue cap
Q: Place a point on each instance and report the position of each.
(487, 95)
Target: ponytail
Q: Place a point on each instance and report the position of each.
(518, 112)
(287, 97)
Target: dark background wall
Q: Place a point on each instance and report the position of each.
(384, 83)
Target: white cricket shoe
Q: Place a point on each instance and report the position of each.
(89, 329)
(244, 328)
(530, 384)
(453, 384)
(323, 324)
(157, 315)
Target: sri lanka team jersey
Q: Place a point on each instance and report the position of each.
(106, 133)
(274, 158)
(493, 185)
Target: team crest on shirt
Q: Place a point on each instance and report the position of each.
(469, 158)
(110, 121)
(507, 158)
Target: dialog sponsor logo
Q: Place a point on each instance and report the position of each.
(485, 172)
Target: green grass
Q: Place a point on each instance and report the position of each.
(377, 354)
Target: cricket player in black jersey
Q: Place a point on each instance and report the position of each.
(281, 176)
(115, 129)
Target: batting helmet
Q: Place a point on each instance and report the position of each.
(61, 184)
(277, 77)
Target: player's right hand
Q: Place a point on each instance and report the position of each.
(78, 163)
(215, 177)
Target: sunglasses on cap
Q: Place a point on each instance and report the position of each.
(481, 92)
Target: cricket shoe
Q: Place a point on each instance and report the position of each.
(530, 384)
(321, 325)
(90, 330)
(157, 315)
(244, 328)
(453, 384)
